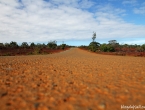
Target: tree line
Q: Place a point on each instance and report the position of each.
(112, 46)
(49, 45)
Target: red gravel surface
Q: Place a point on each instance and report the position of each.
(72, 80)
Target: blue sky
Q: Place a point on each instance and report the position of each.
(72, 21)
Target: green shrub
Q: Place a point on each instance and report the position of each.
(32, 45)
(24, 45)
(143, 47)
(63, 46)
(93, 46)
(111, 48)
(13, 44)
(139, 49)
(104, 47)
(1, 45)
(52, 44)
(107, 48)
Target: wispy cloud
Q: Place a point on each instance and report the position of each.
(41, 21)
(140, 10)
(73, 3)
(130, 2)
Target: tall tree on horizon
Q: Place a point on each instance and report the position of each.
(94, 36)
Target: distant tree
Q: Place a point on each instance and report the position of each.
(13, 44)
(43, 45)
(93, 46)
(7, 45)
(32, 45)
(125, 45)
(1, 46)
(38, 45)
(143, 47)
(63, 46)
(112, 42)
(136, 45)
(94, 36)
(24, 45)
(52, 44)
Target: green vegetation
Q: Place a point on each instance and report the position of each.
(52, 44)
(107, 48)
(63, 46)
(114, 48)
(13, 48)
(1, 45)
(13, 44)
(143, 47)
(24, 45)
(93, 46)
(94, 36)
(32, 45)
(24, 48)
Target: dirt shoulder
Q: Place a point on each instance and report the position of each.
(71, 80)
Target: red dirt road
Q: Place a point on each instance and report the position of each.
(71, 80)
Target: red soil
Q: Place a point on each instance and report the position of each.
(71, 80)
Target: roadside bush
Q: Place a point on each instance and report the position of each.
(140, 49)
(111, 48)
(32, 45)
(104, 47)
(52, 44)
(63, 46)
(107, 48)
(24, 45)
(13, 44)
(143, 47)
(1, 46)
(7, 45)
(93, 46)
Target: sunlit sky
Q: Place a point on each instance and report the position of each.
(72, 21)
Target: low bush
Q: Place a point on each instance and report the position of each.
(107, 48)
(93, 46)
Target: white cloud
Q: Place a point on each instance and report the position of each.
(132, 42)
(109, 9)
(130, 2)
(140, 10)
(40, 21)
(74, 3)
(11, 3)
